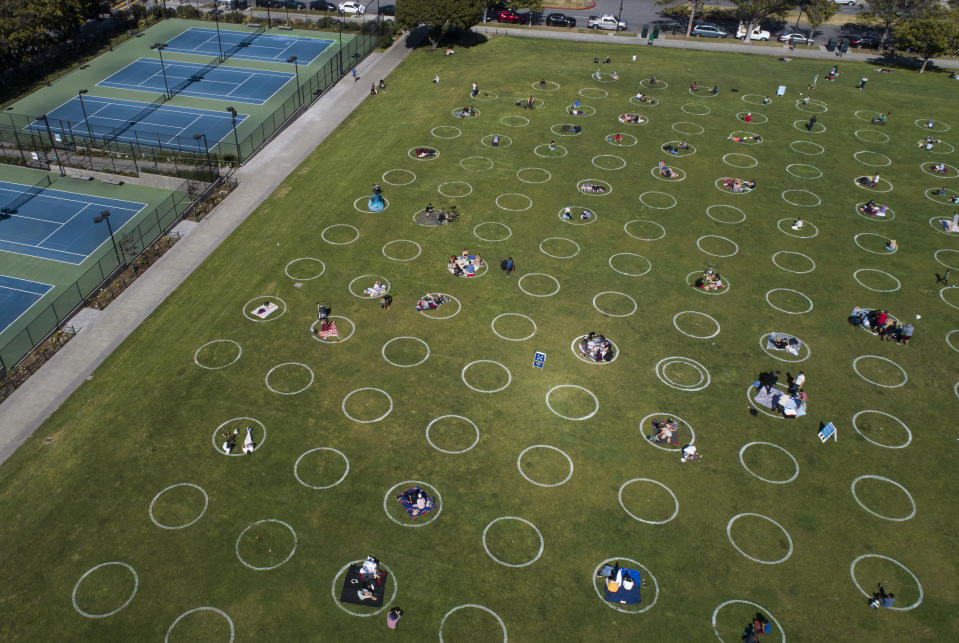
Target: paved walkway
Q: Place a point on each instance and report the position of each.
(40, 396)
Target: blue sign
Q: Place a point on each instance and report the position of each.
(539, 359)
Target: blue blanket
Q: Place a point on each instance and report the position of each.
(408, 500)
(628, 597)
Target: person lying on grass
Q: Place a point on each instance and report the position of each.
(745, 139)
(872, 209)
(592, 187)
(665, 170)
(738, 185)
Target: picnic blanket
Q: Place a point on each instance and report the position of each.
(329, 332)
(408, 500)
(770, 398)
(792, 346)
(265, 310)
(624, 596)
(352, 584)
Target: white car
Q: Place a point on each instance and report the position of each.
(352, 7)
(757, 34)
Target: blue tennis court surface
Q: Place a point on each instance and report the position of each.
(59, 225)
(267, 47)
(220, 83)
(16, 298)
(130, 121)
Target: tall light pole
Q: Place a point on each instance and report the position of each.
(296, 69)
(236, 139)
(339, 23)
(159, 47)
(53, 144)
(216, 18)
(268, 25)
(206, 146)
(84, 110)
(105, 216)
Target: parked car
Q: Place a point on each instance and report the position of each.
(560, 20)
(608, 21)
(848, 3)
(708, 31)
(322, 5)
(387, 10)
(510, 16)
(281, 4)
(352, 7)
(869, 42)
(795, 37)
(758, 33)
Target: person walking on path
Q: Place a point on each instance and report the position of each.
(508, 265)
(356, 76)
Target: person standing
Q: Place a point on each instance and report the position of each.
(356, 76)
(475, 91)
(393, 618)
(907, 333)
(862, 83)
(508, 265)
(797, 383)
(812, 122)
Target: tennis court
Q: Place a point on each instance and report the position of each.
(220, 83)
(147, 124)
(57, 225)
(265, 47)
(17, 296)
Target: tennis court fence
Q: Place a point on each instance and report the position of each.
(125, 150)
(132, 244)
(22, 199)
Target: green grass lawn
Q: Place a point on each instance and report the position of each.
(79, 492)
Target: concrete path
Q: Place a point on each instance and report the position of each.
(32, 403)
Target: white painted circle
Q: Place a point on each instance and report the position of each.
(366, 210)
(477, 169)
(419, 249)
(620, 162)
(949, 341)
(239, 352)
(696, 312)
(874, 136)
(519, 465)
(660, 85)
(614, 292)
(731, 207)
(747, 135)
(438, 500)
(852, 573)
(378, 278)
(296, 467)
(206, 503)
(855, 276)
(614, 605)
(650, 102)
(504, 140)
(765, 410)
(600, 93)
(464, 192)
(550, 86)
(216, 431)
(394, 183)
(682, 422)
(792, 167)
(501, 207)
(484, 96)
(886, 161)
(936, 150)
(756, 605)
(492, 326)
(852, 489)
(742, 117)
(587, 111)
(797, 254)
(576, 352)
(580, 184)
(729, 527)
(549, 175)
(872, 234)
(716, 236)
(268, 567)
(514, 120)
(698, 94)
(802, 125)
(445, 129)
(797, 236)
(679, 174)
(691, 281)
(474, 605)
(820, 106)
(795, 148)
(386, 603)
(611, 139)
(689, 152)
(136, 586)
(718, 184)
(504, 563)
(412, 153)
(704, 377)
(568, 417)
(509, 231)
(890, 214)
(205, 608)
(737, 156)
(519, 283)
(643, 520)
(794, 194)
(266, 379)
(686, 129)
(564, 132)
(935, 256)
(951, 171)
(866, 115)
(286, 269)
(359, 390)
(392, 363)
(934, 222)
(756, 475)
(783, 310)
(695, 109)
(658, 207)
(626, 230)
(338, 340)
(466, 419)
(270, 298)
(630, 254)
(905, 377)
(548, 254)
(935, 199)
(762, 345)
(339, 243)
(509, 376)
(938, 126)
(459, 307)
(882, 182)
(547, 156)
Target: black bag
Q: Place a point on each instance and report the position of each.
(502, 264)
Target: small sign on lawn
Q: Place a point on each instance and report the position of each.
(539, 359)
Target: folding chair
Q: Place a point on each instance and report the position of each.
(827, 432)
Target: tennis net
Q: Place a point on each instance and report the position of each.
(22, 198)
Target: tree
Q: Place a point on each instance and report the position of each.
(935, 35)
(752, 12)
(889, 13)
(438, 16)
(694, 6)
(818, 12)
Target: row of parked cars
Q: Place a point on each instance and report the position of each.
(797, 37)
(323, 5)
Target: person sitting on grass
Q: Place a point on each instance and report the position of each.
(567, 213)
(693, 86)
(618, 138)
(939, 167)
(748, 117)
(652, 80)
(585, 215)
(576, 111)
(690, 454)
(425, 152)
(665, 170)
(327, 329)
(671, 149)
(385, 302)
(664, 431)
(552, 146)
(881, 598)
(376, 290)
(709, 280)
(869, 181)
(495, 140)
(641, 97)
(614, 75)
(871, 209)
(542, 83)
(530, 102)
(738, 185)
(631, 118)
(766, 100)
(714, 90)
(892, 245)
